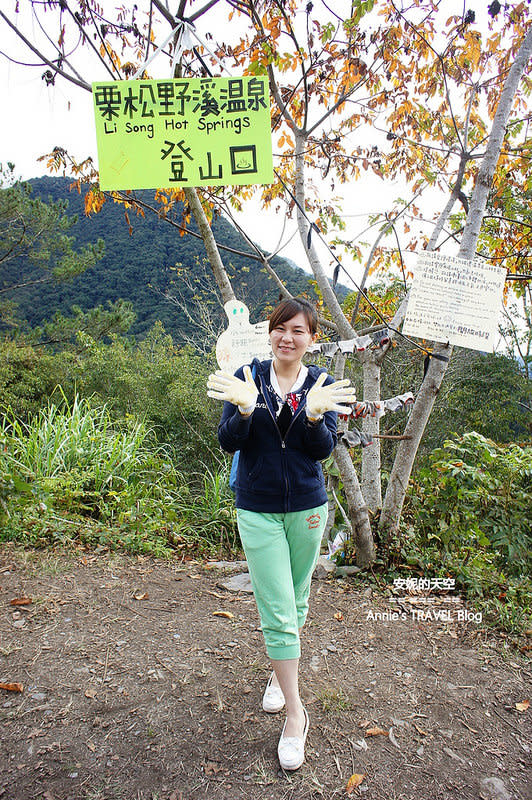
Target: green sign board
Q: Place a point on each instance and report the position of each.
(185, 132)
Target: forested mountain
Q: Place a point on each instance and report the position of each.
(142, 266)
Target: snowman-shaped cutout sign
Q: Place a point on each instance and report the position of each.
(241, 342)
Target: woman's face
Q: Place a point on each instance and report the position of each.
(291, 339)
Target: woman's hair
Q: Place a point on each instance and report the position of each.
(289, 308)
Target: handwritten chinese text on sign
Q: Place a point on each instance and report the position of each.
(186, 132)
(455, 300)
(241, 342)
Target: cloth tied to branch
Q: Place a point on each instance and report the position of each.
(374, 408)
(359, 344)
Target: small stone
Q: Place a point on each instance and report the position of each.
(38, 696)
(228, 566)
(453, 755)
(399, 723)
(347, 571)
(238, 583)
(324, 568)
(494, 789)
(315, 663)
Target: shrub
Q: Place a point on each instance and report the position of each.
(468, 516)
(477, 496)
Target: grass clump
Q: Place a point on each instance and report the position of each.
(72, 472)
(334, 701)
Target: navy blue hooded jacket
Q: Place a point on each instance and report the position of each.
(277, 474)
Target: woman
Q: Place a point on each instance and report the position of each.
(282, 418)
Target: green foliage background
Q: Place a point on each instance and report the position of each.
(142, 266)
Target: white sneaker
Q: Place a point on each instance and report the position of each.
(291, 749)
(273, 698)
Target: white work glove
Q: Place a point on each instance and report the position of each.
(326, 398)
(225, 386)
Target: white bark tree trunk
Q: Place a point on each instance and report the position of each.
(213, 254)
(344, 328)
(371, 455)
(358, 512)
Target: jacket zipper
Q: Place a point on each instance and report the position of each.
(299, 410)
(283, 441)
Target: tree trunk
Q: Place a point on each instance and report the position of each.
(209, 241)
(332, 485)
(358, 512)
(344, 328)
(407, 449)
(371, 455)
(357, 509)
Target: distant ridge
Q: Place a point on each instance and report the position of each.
(141, 266)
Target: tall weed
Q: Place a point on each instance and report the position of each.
(75, 460)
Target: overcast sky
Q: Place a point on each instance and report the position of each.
(40, 117)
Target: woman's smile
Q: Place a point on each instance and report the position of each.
(291, 338)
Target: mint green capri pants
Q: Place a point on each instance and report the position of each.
(281, 551)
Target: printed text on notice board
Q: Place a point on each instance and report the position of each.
(455, 300)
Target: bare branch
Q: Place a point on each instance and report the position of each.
(164, 12)
(142, 204)
(201, 11)
(43, 58)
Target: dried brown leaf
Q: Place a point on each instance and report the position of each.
(12, 687)
(376, 732)
(21, 601)
(354, 781)
(522, 706)
(142, 596)
(211, 767)
(226, 614)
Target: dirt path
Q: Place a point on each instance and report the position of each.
(135, 687)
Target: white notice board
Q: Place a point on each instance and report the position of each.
(455, 300)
